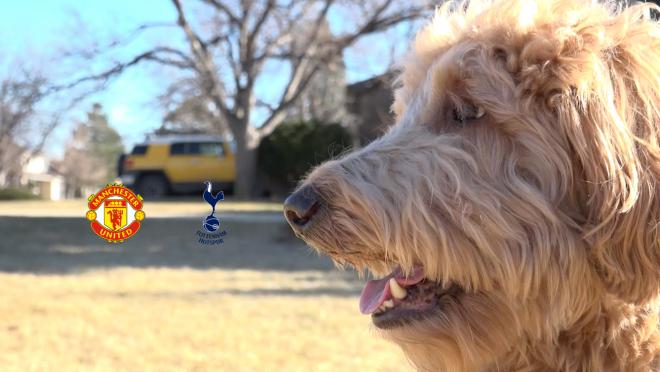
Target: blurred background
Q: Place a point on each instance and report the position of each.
(163, 95)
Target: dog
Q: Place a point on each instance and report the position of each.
(512, 212)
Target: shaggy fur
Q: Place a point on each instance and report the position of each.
(545, 211)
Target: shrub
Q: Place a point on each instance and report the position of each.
(16, 194)
(293, 149)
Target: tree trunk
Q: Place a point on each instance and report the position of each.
(246, 164)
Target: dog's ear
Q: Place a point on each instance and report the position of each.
(613, 125)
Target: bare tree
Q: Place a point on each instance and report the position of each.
(22, 132)
(192, 115)
(323, 99)
(187, 110)
(228, 51)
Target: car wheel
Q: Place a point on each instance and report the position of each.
(152, 186)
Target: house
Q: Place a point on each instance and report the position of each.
(42, 179)
(368, 103)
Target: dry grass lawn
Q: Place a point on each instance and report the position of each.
(161, 302)
(176, 319)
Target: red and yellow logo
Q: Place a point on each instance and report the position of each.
(115, 213)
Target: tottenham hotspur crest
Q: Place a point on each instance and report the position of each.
(211, 224)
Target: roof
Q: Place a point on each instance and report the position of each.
(383, 81)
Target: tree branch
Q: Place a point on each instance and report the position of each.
(307, 63)
(93, 51)
(224, 9)
(278, 114)
(376, 23)
(257, 27)
(150, 55)
(205, 66)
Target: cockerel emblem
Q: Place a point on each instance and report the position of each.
(211, 223)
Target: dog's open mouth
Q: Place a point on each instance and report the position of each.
(399, 299)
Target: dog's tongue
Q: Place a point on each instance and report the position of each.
(377, 291)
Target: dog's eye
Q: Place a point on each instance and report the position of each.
(465, 113)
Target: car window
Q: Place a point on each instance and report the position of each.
(197, 148)
(139, 150)
(192, 148)
(177, 149)
(211, 149)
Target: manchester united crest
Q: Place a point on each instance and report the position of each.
(115, 213)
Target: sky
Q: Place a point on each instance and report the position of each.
(38, 30)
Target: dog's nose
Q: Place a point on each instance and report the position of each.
(300, 208)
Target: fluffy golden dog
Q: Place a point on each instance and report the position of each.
(513, 210)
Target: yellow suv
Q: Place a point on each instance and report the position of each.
(179, 163)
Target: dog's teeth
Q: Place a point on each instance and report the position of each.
(480, 112)
(388, 304)
(397, 291)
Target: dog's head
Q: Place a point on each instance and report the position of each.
(519, 186)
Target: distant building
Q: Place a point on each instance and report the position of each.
(42, 179)
(21, 169)
(368, 103)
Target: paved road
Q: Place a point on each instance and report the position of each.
(153, 209)
(259, 241)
